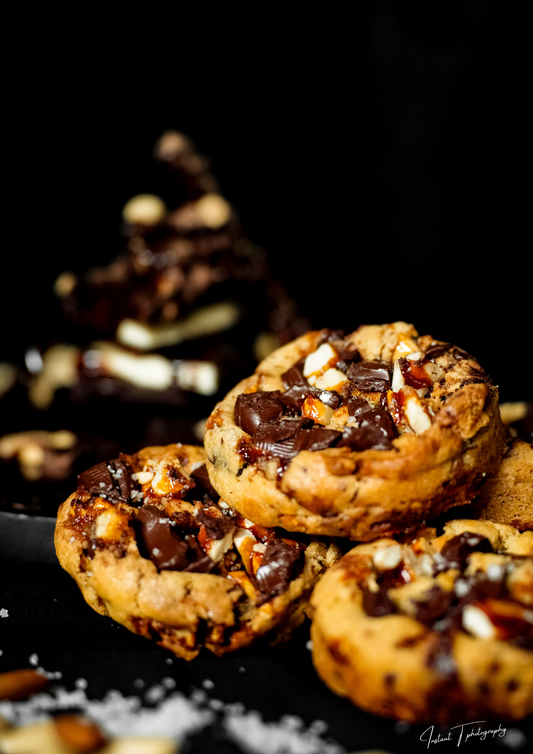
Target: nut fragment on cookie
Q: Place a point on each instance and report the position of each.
(356, 435)
(151, 545)
(442, 618)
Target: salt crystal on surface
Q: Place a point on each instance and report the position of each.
(155, 694)
(175, 716)
(288, 736)
(514, 739)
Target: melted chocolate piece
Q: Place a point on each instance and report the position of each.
(251, 409)
(318, 438)
(111, 479)
(277, 568)
(201, 478)
(376, 428)
(159, 541)
(329, 397)
(328, 336)
(435, 606)
(377, 604)
(268, 434)
(201, 562)
(458, 549)
(437, 349)
(312, 439)
(347, 356)
(294, 376)
(216, 526)
(370, 437)
(370, 376)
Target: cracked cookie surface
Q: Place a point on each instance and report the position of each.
(439, 629)
(150, 545)
(357, 436)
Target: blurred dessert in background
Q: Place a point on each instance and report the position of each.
(137, 351)
(189, 304)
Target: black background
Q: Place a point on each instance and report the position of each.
(378, 156)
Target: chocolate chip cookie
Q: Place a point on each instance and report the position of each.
(439, 629)
(507, 497)
(151, 545)
(356, 436)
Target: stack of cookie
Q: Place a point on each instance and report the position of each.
(334, 440)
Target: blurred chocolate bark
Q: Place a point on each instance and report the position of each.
(140, 349)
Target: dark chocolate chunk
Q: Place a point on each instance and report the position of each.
(201, 478)
(437, 349)
(199, 562)
(287, 438)
(277, 567)
(216, 526)
(121, 473)
(434, 605)
(458, 549)
(370, 437)
(375, 429)
(347, 356)
(377, 604)
(318, 438)
(160, 541)
(298, 389)
(253, 408)
(329, 336)
(268, 434)
(294, 376)
(111, 480)
(357, 406)
(329, 397)
(370, 376)
(97, 479)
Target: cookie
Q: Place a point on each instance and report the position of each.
(356, 436)
(150, 545)
(439, 629)
(507, 497)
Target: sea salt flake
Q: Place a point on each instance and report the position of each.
(155, 694)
